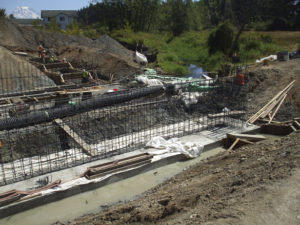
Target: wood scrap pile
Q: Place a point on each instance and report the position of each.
(274, 103)
(239, 140)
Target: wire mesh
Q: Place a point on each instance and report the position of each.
(62, 131)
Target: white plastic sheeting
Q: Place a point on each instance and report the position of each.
(189, 149)
(270, 58)
(140, 58)
(148, 82)
(190, 98)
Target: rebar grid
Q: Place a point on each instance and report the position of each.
(71, 130)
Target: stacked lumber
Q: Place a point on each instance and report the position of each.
(274, 103)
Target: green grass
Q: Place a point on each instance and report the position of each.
(175, 53)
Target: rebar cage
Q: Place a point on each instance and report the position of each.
(42, 130)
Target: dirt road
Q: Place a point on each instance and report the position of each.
(257, 184)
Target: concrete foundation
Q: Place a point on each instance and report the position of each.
(208, 138)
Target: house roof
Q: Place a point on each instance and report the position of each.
(52, 13)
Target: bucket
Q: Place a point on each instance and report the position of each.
(283, 56)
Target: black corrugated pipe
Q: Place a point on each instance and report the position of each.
(70, 110)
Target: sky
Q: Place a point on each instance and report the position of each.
(38, 5)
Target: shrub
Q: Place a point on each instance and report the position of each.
(252, 44)
(90, 33)
(221, 39)
(266, 38)
(73, 28)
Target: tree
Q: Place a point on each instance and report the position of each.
(177, 15)
(245, 11)
(141, 14)
(2, 13)
(216, 11)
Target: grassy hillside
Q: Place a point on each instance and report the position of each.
(174, 54)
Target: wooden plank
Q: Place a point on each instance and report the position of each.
(297, 124)
(293, 128)
(253, 118)
(276, 110)
(234, 144)
(272, 106)
(244, 141)
(266, 121)
(35, 99)
(56, 65)
(231, 113)
(249, 137)
(75, 136)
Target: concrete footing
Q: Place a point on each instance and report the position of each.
(209, 139)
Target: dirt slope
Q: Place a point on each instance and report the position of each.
(16, 74)
(104, 54)
(266, 81)
(257, 184)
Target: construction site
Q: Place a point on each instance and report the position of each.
(88, 114)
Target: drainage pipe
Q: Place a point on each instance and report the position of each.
(70, 110)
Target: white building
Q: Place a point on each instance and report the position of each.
(63, 17)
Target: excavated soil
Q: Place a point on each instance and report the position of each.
(93, 127)
(18, 75)
(266, 81)
(103, 55)
(256, 184)
(105, 124)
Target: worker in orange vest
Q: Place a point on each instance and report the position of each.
(43, 55)
(240, 77)
(40, 49)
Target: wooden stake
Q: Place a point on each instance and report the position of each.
(234, 144)
(297, 124)
(293, 128)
